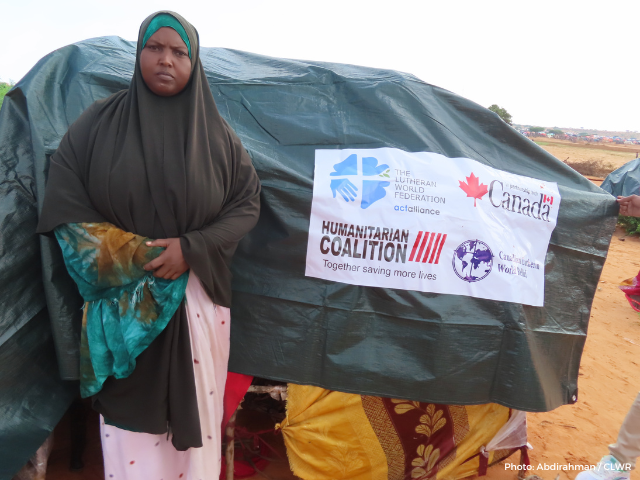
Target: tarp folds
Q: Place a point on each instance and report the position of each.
(402, 344)
(32, 396)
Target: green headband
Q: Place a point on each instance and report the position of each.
(166, 20)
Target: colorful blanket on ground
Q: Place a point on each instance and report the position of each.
(332, 435)
(126, 307)
(631, 289)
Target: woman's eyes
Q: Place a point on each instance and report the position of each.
(156, 48)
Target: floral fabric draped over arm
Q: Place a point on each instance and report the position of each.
(125, 308)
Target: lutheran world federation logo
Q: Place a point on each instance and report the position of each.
(472, 260)
(368, 175)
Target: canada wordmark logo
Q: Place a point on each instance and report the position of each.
(433, 242)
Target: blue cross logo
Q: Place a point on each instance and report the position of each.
(350, 169)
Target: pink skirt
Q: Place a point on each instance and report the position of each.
(142, 456)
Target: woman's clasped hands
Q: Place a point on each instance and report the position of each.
(170, 264)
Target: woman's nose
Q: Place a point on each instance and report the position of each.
(165, 59)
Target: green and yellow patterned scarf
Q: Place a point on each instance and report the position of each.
(125, 308)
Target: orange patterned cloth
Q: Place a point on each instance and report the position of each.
(332, 435)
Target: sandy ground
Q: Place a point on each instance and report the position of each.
(615, 155)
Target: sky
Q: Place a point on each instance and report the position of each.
(553, 63)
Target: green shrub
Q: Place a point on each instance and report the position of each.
(630, 224)
(4, 88)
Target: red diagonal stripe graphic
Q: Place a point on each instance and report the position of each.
(424, 240)
(415, 246)
(435, 248)
(426, 255)
(444, 237)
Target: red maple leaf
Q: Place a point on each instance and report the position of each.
(473, 188)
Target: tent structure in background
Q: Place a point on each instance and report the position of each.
(624, 181)
(439, 349)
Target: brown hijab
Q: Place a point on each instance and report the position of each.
(159, 167)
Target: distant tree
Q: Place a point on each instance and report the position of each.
(556, 131)
(536, 129)
(502, 113)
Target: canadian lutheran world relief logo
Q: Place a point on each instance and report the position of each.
(370, 179)
(472, 260)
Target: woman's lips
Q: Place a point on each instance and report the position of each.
(165, 75)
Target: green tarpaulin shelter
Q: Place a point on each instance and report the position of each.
(393, 343)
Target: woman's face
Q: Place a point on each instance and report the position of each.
(165, 63)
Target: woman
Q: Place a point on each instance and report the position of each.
(155, 161)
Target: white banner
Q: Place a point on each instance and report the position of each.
(422, 221)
